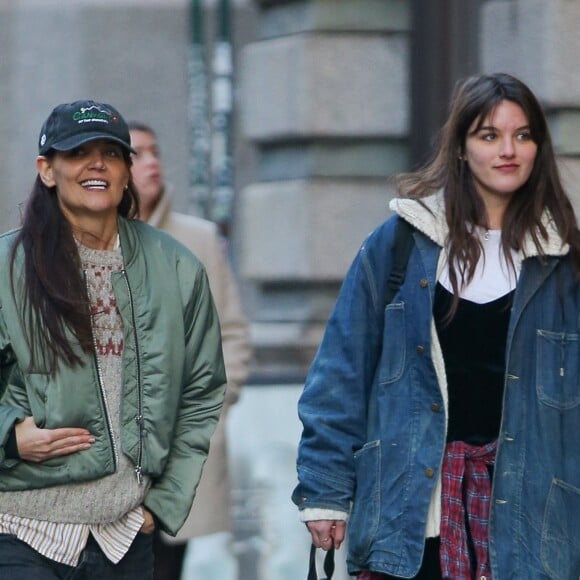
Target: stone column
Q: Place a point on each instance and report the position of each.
(324, 98)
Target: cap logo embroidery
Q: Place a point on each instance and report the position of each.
(92, 115)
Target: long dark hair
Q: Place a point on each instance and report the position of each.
(473, 99)
(55, 296)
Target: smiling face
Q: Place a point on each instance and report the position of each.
(500, 153)
(89, 180)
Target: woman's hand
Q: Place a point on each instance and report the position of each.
(148, 526)
(327, 533)
(36, 445)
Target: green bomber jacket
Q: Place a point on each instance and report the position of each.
(173, 377)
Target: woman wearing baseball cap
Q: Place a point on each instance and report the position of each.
(111, 370)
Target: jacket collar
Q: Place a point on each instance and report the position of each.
(428, 216)
(162, 209)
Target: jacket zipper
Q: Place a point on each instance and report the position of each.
(101, 388)
(139, 416)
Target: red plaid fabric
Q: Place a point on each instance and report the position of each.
(371, 576)
(465, 500)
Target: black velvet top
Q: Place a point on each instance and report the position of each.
(473, 345)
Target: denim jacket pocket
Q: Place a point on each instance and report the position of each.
(392, 360)
(364, 519)
(557, 369)
(560, 551)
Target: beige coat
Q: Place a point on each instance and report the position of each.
(211, 508)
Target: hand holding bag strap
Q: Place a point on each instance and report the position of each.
(328, 564)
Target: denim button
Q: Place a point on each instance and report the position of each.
(423, 283)
(420, 349)
(434, 407)
(429, 472)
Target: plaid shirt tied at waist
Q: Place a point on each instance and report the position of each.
(465, 502)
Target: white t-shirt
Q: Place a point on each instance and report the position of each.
(494, 276)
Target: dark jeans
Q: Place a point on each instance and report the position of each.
(18, 561)
(430, 567)
(168, 558)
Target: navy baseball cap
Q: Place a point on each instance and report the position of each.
(72, 124)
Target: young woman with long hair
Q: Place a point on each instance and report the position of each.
(444, 425)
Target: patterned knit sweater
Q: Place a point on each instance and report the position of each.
(107, 499)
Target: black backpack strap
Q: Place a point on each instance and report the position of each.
(402, 247)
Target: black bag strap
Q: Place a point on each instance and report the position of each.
(401, 251)
(328, 564)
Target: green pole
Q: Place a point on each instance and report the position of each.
(199, 131)
(221, 141)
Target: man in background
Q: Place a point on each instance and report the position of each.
(206, 533)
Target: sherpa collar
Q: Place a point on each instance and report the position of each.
(429, 218)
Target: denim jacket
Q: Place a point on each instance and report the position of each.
(374, 411)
